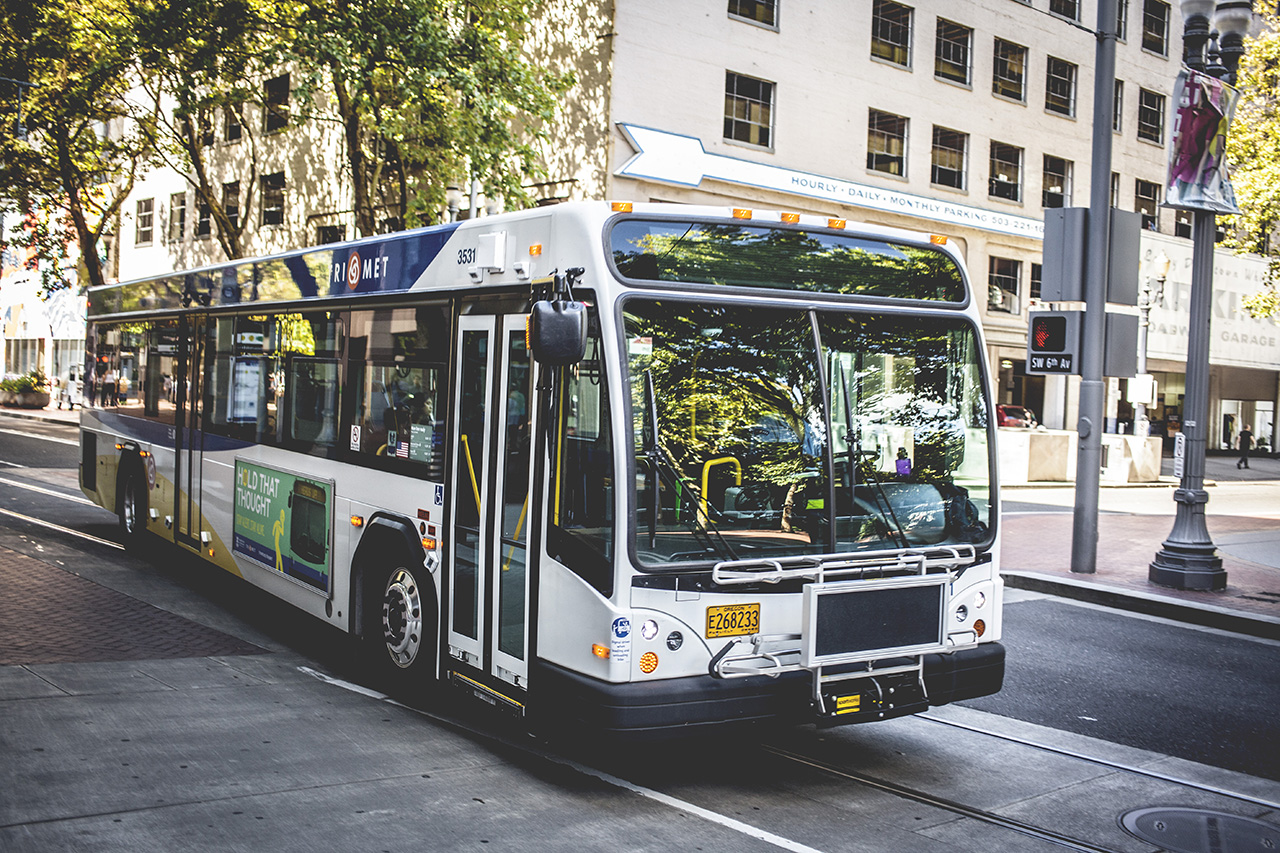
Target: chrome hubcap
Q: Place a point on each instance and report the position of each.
(402, 618)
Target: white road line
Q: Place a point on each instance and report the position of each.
(12, 464)
(657, 796)
(31, 488)
(41, 437)
(61, 529)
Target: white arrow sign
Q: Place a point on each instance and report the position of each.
(671, 158)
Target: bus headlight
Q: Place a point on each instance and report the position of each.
(649, 629)
(962, 613)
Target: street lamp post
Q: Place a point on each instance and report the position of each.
(1147, 298)
(1187, 559)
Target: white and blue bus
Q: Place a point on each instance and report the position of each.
(637, 469)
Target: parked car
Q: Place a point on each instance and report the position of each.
(1015, 416)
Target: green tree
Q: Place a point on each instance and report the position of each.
(1253, 152)
(205, 59)
(82, 142)
(426, 92)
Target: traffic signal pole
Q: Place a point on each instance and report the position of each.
(1084, 531)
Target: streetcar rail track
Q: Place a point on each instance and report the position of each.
(1104, 762)
(944, 803)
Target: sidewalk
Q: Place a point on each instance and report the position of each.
(1243, 519)
(1136, 519)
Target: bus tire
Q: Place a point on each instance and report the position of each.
(399, 627)
(131, 506)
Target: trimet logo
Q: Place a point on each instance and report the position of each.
(358, 270)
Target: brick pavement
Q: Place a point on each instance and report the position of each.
(1126, 546)
(49, 615)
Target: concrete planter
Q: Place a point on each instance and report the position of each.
(25, 399)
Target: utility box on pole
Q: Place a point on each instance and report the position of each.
(1062, 274)
(1126, 251)
(1053, 342)
(1120, 346)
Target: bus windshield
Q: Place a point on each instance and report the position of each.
(772, 432)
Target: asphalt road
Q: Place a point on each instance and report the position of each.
(1203, 695)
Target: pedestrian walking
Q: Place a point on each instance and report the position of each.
(1246, 443)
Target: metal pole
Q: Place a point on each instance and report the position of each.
(1187, 559)
(1140, 423)
(1084, 531)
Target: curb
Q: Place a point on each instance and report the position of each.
(1150, 604)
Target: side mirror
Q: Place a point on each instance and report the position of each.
(557, 332)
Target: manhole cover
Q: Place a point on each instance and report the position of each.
(1179, 830)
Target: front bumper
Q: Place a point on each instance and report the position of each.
(667, 708)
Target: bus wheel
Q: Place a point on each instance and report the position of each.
(132, 508)
(403, 631)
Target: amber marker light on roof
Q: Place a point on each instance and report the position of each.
(938, 239)
(741, 213)
(535, 250)
(791, 217)
(836, 223)
(621, 207)
(357, 521)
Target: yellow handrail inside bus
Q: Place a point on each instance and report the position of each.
(475, 487)
(706, 477)
(511, 553)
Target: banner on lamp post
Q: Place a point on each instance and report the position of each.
(1203, 107)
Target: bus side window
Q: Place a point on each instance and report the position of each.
(581, 532)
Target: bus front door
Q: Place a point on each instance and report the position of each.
(490, 494)
(188, 435)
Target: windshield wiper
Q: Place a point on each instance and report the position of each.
(855, 455)
(665, 468)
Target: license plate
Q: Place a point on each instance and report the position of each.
(733, 620)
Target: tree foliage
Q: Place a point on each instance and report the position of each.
(423, 93)
(72, 158)
(1253, 151)
(427, 93)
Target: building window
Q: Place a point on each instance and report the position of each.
(277, 103)
(326, 234)
(231, 203)
(757, 11)
(1122, 20)
(1056, 189)
(1146, 200)
(1065, 8)
(1115, 189)
(146, 221)
(1008, 78)
(891, 32)
(887, 143)
(272, 198)
(951, 51)
(233, 122)
(1003, 277)
(748, 109)
(204, 221)
(950, 150)
(1155, 26)
(1037, 276)
(1182, 223)
(1006, 172)
(1060, 87)
(177, 217)
(1117, 108)
(1151, 116)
